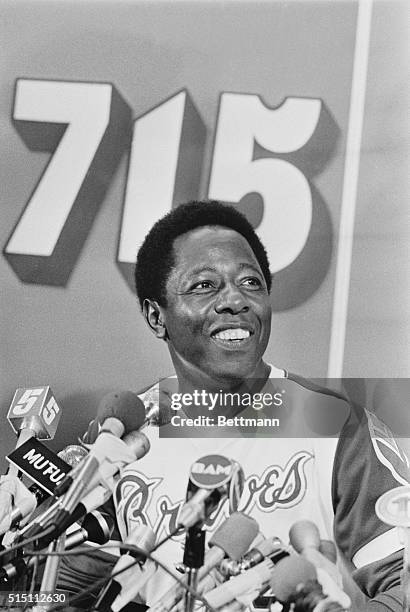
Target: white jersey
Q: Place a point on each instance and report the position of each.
(332, 481)
(286, 480)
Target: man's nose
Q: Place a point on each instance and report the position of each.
(231, 299)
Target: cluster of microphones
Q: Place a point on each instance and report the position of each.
(236, 567)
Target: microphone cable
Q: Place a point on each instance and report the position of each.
(24, 543)
(103, 581)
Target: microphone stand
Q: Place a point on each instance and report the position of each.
(194, 554)
(49, 581)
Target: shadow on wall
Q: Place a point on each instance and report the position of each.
(77, 410)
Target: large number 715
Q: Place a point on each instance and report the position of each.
(89, 126)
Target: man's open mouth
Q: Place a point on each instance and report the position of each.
(232, 336)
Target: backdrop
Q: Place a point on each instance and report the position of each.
(113, 112)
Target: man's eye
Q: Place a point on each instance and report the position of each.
(252, 281)
(202, 285)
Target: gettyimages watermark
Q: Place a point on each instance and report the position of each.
(224, 399)
(225, 403)
(286, 408)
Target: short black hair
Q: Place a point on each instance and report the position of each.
(156, 257)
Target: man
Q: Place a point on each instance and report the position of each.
(203, 282)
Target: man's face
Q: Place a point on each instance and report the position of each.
(218, 309)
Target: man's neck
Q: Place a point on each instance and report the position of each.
(190, 379)
(222, 395)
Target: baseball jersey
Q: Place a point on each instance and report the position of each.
(328, 462)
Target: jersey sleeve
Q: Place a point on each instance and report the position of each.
(368, 463)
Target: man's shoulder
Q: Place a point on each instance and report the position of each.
(315, 386)
(156, 398)
(156, 385)
(147, 390)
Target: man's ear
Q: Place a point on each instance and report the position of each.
(153, 315)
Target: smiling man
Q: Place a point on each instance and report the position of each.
(214, 310)
(203, 282)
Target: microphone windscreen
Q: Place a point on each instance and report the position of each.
(138, 442)
(235, 535)
(125, 406)
(328, 550)
(73, 454)
(288, 574)
(304, 534)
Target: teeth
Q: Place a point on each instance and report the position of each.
(233, 334)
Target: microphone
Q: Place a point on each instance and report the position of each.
(72, 455)
(102, 468)
(305, 539)
(93, 500)
(118, 414)
(37, 497)
(27, 499)
(231, 539)
(248, 584)
(33, 413)
(144, 538)
(69, 508)
(96, 527)
(59, 516)
(212, 478)
(328, 550)
(267, 548)
(119, 405)
(12, 489)
(294, 581)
